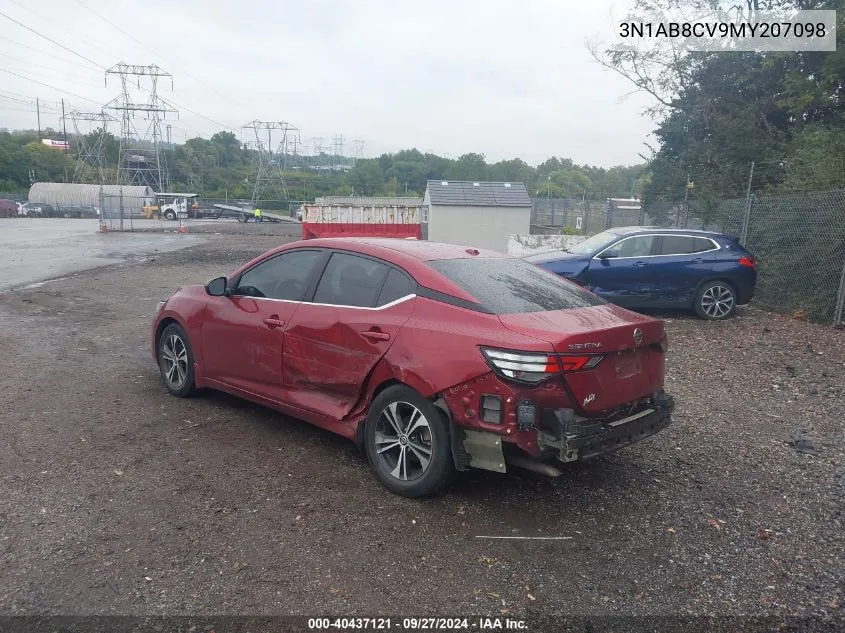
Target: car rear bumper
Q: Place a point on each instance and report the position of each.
(569, 437)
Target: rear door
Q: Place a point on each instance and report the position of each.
(684, 261)
(335, 340)
(627, 279)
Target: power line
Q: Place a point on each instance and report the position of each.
(139, 42)
(39, 51)
(52, 41)
(48, 86)
(77, 78)
(48, 20)
(218, 123)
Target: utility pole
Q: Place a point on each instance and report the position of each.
(686, 204)
(64, 127)
(38, 111)
(747, 206)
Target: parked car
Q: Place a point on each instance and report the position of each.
(432, 357)
(38, 210)
(8, 208)
(652, 268)
(78, 211)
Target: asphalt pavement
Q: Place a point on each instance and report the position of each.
(33, 250)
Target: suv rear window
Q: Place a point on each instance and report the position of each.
(508, 285)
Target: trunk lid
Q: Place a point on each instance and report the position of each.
(632, 367)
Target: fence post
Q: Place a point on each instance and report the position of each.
(120, 202)
(744, 236)
(840, 298)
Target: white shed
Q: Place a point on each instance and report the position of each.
(480, 214)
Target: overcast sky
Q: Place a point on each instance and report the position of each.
(503, 78)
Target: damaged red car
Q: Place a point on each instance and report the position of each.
(434, 358)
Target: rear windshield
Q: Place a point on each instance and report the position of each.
(510, 285)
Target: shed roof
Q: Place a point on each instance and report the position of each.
(459, 193)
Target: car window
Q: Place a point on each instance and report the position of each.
(639, 246)
(703, 244)
(350, 280)
(395, 287)
(684, 245)
(509, 285)
(282, 277)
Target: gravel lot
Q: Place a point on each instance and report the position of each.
(119, 499)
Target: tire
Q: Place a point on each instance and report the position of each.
(170, 215)
(715, 301)
(174, 339)
(429, 439)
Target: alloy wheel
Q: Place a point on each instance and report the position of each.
(403, 441)
(174, 358)
(717, 301)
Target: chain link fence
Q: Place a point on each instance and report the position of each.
(133, 213)
(577, 216)
(797, 238)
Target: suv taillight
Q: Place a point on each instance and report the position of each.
(748, 261)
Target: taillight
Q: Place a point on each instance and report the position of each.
(532, 367)
(747, 261)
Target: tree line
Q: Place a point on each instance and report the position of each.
(222, 166)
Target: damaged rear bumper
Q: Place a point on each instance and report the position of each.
(569, 437)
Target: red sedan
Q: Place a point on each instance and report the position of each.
(434, 358)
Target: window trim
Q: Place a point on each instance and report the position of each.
(312, 289)
(318, 266)
(661, 236)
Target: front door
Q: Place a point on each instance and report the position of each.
(334, 342)
(626, 279)
(243, 334)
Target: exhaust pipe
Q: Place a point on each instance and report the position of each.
(534, 466)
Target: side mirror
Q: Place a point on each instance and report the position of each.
(216, 287)
(608, 254)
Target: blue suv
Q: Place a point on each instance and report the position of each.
(652, 268)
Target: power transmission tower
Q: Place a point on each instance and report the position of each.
(338, 145)
(317, 150)
(292, 145)
(270, 173)
(90, 146)
(141, 160)
(357, 149)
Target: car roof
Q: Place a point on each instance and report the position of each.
(422, 250)
(411, 255)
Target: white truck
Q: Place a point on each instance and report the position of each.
(172, 206)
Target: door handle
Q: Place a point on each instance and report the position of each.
(273, 323)
(375, 335)
(640, 264)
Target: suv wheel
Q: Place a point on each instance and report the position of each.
(408, 443)
(715, 300)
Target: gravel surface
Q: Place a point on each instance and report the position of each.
(119, 499)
